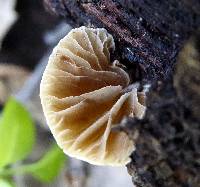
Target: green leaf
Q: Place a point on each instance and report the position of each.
(5, 183)
(17, 133)
(49, 166)
(45, 170)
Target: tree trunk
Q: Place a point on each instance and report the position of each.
(149, 36)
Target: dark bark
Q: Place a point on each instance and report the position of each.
(149, 36)
(168, 147)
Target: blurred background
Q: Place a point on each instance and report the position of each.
(28, 34)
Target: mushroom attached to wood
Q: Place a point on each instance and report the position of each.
(83, 98)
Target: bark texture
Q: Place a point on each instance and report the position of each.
(149, 36)
(168, 147)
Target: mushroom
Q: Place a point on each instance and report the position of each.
(83, 98)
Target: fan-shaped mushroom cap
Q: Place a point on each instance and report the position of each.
(82, 98)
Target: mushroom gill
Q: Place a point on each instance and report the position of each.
(82, 95)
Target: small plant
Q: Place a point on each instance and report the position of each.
(17, 138)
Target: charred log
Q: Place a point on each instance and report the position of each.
(149, 36)
(168, 147)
